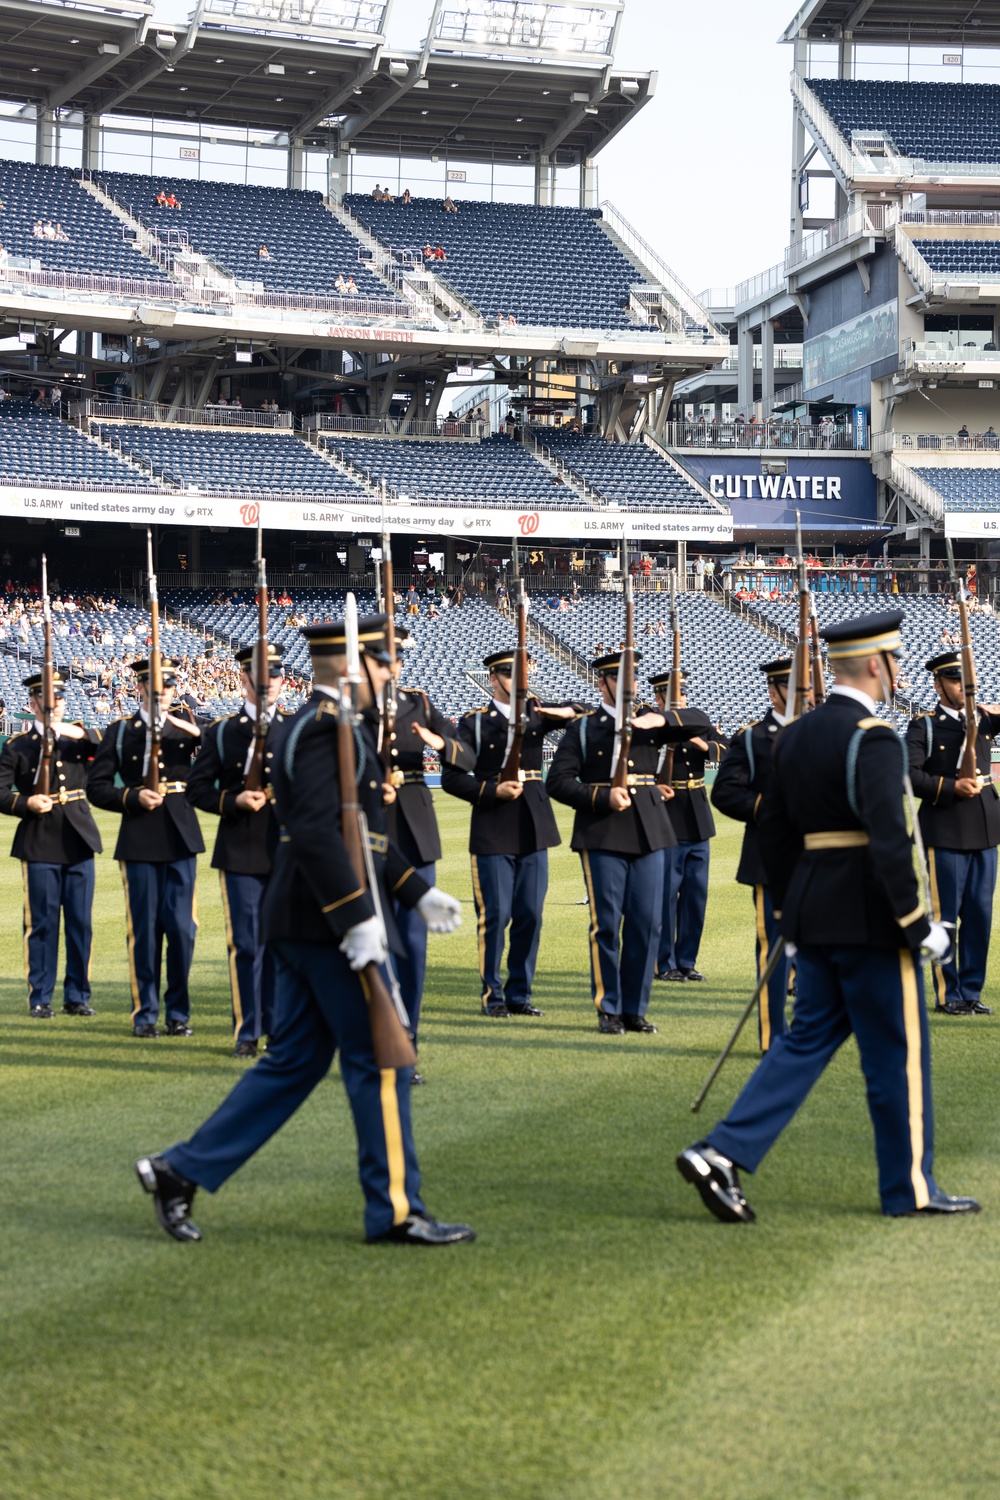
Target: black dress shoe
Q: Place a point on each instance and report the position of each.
(523, 1008)
(638, 1023)
(77, 1008)
(423, 1229)
(147, 1030)
(692, 974)
(942, 1203)
(979, 1009)
(610, 1025)
(495, 1008)
(41, 1012)
(675, 976)
(244, 1049)
(417, 1079)
(172, 1196)
(178, 1028)
(955, 1008)
(718, 1182)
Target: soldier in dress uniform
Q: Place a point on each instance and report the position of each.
(324, 930)
(839, 857)
(157, 848)
(620, 834)
(685, 876)
(960, 822)
(244, 846)
(743, 778)
(513, 828)
(56, 841)
(412, 825)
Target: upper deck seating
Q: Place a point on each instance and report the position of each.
(930, 121)
(215, 459)
(445, 473)
(38, 447)
(964, 489)
(626, 473)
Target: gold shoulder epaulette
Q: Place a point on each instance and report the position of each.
(874, 723)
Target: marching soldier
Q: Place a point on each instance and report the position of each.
(325, 930)
(960, 822)
(56, 841)
(412, 825)
(743, 778)
(839, 856)
(620, 834)
(244, 847)
(685, 879)
(513, 828)
(157, 848)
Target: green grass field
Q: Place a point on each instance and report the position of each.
(604, 1336)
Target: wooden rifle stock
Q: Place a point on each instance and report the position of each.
(519, 694)
(390, 1043)
(154, 682)
(626, 692)
(261, 680)
(968, 767)
(44, 783)
(816, 656)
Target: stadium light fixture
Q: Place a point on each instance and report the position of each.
(574, 29)
(349, 20)
(165, 40)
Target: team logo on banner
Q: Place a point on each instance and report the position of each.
(528, 524)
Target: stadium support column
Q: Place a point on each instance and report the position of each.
(296, 163)
(544, 182)
(337, 175)
(194, 557)
(801, 67)
(744, 377)
(91, 147)
(45, 138)
(682, 565)
(767, 366)
(588, 182)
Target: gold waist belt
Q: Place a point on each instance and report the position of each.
(629, 781)
(63, 796)
(843, 838)
(523, 776)
(378, 843)
(166, 787)
(694, 782)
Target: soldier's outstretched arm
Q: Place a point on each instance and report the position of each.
(881, 806)
(457, 752)
(563, 782)
(465, 784)
(732, 793)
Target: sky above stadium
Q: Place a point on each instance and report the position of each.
(703, 172)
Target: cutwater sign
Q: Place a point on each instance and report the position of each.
(831, 493)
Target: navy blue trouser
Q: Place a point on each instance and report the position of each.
(878, 994)
(509, 890)
(962, 886)
(771, 1006)
(685, 896)
(160, 903)
(411, 965)
(251, 966)
(625, 895)
(319, 1006)
(49, 890)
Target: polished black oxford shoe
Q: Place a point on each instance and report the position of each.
(148, 1030)
(417, 1079)
(178, 1028)
(638, 1023)
(610, 1025)
(692, 974)
(718, 1182)
(423, 1229)
(172, 1196)
(523, 1008)
(77, 1008)
(955, 1008)
(943, 1203)
(674, 976)
(41, 1012)
(979, 1009)
(495, 1009)
(243, 1049)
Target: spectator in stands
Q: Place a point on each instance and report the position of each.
(406, 198)
(428, 251)
(990, 439)
(439, 253)
(449, 205)
(340, 285)
(963, 431)
(263, 253)
(38, 230)
(412, 600)
(61, 233)
(377, 192)
(699, 572)
(352, 287)
(55, 398)
(161, 199)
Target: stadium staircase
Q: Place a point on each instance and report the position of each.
(178, 260)
(659, 293)
(589, 499)
(657, 446)
(437, 304)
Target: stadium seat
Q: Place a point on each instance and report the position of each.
(37, 447)
(928, 121)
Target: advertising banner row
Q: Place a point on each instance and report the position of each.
(72, 507)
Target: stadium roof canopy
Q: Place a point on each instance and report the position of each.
(321, 70)
(931, 23)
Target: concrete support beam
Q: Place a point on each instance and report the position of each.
(588, 182)
(545, 179)
(296, 163)
(91, 155)
(435, 398)
(205, 386)
(744, 354)
(45, 138)
(337, 175)
(767, 365)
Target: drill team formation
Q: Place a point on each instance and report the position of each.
(868, 854)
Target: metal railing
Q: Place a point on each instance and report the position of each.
(857, 222)
(189, 416)
(716, 296)
(682, 297)
(764, 284)
(441, 427)
(786, 357)
(826, 125)
(968, 218)
(769, 435)
(914, 353)
(903, 479)
(125, 288)
(942, 442)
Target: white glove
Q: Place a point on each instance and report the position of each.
(790, 950)
(365, 944)
(937, 942)
(441, 912)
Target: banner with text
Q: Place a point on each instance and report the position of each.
(967, 525)
(850, 346)
(75, 506)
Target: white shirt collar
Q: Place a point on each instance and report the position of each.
(607, 708)
(501, 708)
(952, 712)
(855, 693)
(781, 719)
(250, 709)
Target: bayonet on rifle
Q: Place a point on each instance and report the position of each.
(625, 694)
(390, 704)
(798, 685)
(154, 680)
(518, 721)
(967, 662)
(43, 781)
(261, 677)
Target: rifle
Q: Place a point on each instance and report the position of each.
(261, 674)
(625, 697)
(390, 705)
(675, 685)
(816, 655)
(154, 682)
(798, 687)
(967, 661)
(390, 1038)
(519, 694)
(43, 783)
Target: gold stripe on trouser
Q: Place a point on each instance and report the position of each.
(394, 1147)
(234, 980)
(477, 891)
(130, 944)
(762, 1000)
(936, 969)
(914, 1076)
(595, 952)
(28, 925)
(194, 901)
